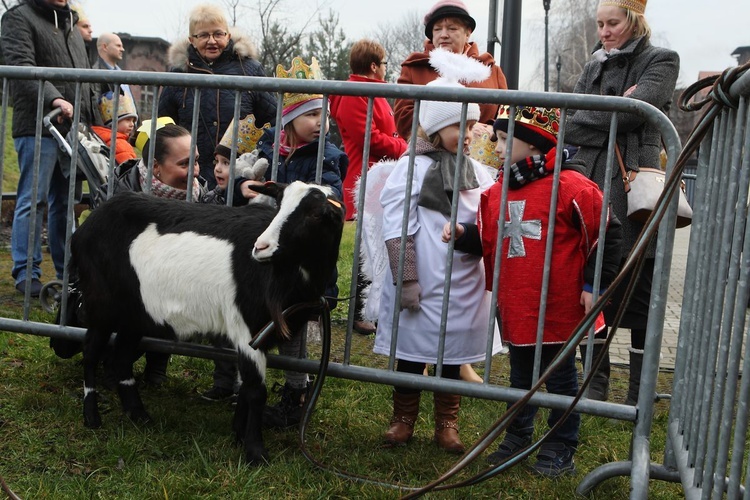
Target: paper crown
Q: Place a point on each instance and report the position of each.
(293, 100)
(482, 149)
(247, 136)
(144, 131)
(638, 6)
(546, 120)
(126, 107)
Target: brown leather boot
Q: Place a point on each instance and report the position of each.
(405, 412)
(446, 416)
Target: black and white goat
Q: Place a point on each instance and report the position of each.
(148, 266)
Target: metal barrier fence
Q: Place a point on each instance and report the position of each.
(708, 419)
(641, 414)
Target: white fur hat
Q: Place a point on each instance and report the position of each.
(452, 68)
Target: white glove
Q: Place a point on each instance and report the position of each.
(410, 296)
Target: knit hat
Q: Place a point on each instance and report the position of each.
(247, 137)
(448, 8)
(534, 125)
(452, 68)
(637, 6)
(125, 107)
(296, 104)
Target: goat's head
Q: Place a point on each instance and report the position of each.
(308, 215)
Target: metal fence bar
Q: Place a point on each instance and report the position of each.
(640, 467)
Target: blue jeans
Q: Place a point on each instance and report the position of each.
(53, 191)
(563, 381)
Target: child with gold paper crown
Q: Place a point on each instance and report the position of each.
(298, 151)
(247, 168)
(527, 222)
(126, 121)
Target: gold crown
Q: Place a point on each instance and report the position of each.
(482, 149)
(546, 119)
(301, 71)
(126, 107)
(247, 135)
(638, 6)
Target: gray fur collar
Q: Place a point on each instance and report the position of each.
(243, 47)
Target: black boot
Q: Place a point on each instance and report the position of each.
(598, 389)
(288, 411)
(634, 384)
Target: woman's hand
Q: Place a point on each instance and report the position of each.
(446, 234)
(630, 91)
(247, 192)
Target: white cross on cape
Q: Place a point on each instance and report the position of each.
(517, 229)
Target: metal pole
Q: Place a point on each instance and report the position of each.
(546, 44)
(510, 47)
(492, 38)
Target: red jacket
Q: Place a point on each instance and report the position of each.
(350, 113)
(123, 150)
(576, 233)
(417, 70)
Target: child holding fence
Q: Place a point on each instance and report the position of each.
(527, 224)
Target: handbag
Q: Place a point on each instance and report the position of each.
(643, 189)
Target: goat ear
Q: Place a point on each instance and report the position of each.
(270, 188)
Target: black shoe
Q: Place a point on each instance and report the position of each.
(288, 411)
(554, 460)
(36, 287)
(218, 394)
(510, 445)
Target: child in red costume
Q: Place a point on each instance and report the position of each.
(575, 233)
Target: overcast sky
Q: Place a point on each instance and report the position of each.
(703, 33)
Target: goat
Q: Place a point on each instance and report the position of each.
(161, 268)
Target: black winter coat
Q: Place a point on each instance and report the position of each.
(217, 106)
(302, 164)
(36, 34)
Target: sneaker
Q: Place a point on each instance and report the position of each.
(510, 445)
(36, 287)
(554, 460)
(288, 411)
(218, 394)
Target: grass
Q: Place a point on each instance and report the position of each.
(187, 452)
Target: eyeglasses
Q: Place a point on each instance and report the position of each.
(216, 35)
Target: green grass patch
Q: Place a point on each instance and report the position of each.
(188, 450)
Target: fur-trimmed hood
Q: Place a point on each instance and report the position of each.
(178, 54)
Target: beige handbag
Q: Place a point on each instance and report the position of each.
(644, 187)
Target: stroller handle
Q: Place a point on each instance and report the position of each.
(61, 142)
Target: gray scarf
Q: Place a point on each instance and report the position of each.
(437, 188)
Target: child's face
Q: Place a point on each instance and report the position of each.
(221, 171)
(520, 151)
(307, 126)
(450, 135)
(126, 126)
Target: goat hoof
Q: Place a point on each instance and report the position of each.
(257, 456)
(92, 423)
(139, 417)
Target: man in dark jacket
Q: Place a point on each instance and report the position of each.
(41, 33)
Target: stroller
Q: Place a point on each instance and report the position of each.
(92, 166)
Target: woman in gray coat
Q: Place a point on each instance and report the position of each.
(624, 63)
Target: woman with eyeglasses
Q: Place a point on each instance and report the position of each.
(211, 49)
(448, 25)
